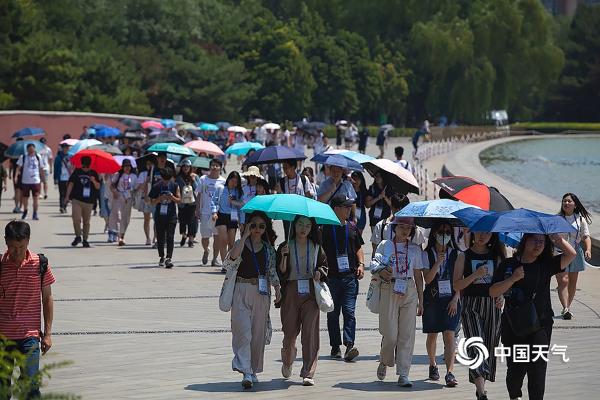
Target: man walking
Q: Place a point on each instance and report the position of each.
(83, 188)
(46, 154)
(31, 167)
(291, 183)
(345, 259)
(62, 172)
(205, 209)
(22, 278)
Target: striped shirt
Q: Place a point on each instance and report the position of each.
(20, 296)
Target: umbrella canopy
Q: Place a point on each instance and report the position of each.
(242, 148)
(223, 125)
(271, 126)
(28, 132)
(108, 148)
(102, 162)
(83, 144)
(172, 148)
(152, 124)
(394, 175)
(386, 127)
(119, 160)
(274, 154)
(352, 155)
(474, 192)
(287, 206)
(132, 123)
(19, 148)
(188, 127)
(520, 220)
(107, 131)
(337, 160)
(70, 142)
(205, 126)
(428, 213)
(202, 146)
(132, 135)
(237, 129)
(311, 126)
(141, 161)
(200, 162)
(161, 139)
(168, 123)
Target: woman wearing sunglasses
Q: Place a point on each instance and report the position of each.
(298, 263)
(250, 325)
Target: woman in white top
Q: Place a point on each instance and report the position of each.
(576, 214)
(123, 183)
(143, 188)
(398, 262)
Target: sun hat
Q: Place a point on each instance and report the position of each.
(252, 171)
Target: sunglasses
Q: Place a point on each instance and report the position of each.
(259, 226)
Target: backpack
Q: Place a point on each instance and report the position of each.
(43, 268)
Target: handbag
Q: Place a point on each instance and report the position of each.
(323, 296)
(226, 296)
(374, 295)
(523, 318)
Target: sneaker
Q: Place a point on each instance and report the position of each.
(481, 396)
(35, 216)
(450, 380)
(568, 314)
(254, 378)
(205, 257)
(24, 215)
(76, 241)
(161, 262)
(63, 210)
(168, 263)
(336, 352)
(286, 371)
(154, 245)
(308, 382)
(247, 381)
(85, 243)
(404, 381)
(95, 213)
(191, 243)
(16, 210)
(182, 243)
(45, 197)
(351, 353)
(121, 242)
(381, 371)
(434, 373)
(215, 263)
(148, 242)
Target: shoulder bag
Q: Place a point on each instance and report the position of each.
(322, 293)
(523, 318)
(226, 296)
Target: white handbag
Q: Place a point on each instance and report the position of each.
(374, 294)
(226, 296)
(322, 293)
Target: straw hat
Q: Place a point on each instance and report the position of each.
(252, 171)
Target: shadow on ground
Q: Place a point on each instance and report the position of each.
(233, 386)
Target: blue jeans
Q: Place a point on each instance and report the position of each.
(344, 291)
(30, 347)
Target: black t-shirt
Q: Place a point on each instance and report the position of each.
(374, 191)
(479, 287)
(337, 233)
(537, 279)
(247, 268)
(83, 188)
(171, 210)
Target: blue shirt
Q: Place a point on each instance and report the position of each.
(345, 189)
(221, 199)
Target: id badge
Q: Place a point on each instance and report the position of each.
(444, 288)
(343, 263)
(358, 213)
(378, 211)
(87, 191)
(262, 285)
(303, 287)
(400, 286)
(164, 209)
(234, 216)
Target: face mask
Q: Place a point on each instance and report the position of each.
(442, 239)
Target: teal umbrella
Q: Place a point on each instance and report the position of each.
(201, 162)
(242, 148)
(205, 126)
(287, 206)
(19, 148)
(172, 148)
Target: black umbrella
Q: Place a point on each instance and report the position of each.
(274, 154)
(473, 192)
(132, 123)
(162, 139)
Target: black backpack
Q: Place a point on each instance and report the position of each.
(43, 267)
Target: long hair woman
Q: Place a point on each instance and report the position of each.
(377, 202)
(358, 182)
(123, 183)
(441, 308)
(254, 257)
(298, 263)
(398, 262)
(527, 319)
(576, 214)
(229, 201)
(188, 223)
(480, 314)
(144, 184)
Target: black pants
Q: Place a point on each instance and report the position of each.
(165, 233)
(188, 223)
(62, 191)
(535, 371)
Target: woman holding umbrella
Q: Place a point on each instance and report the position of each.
(188, 223)
(228, 201)
(299, 309)
(360, 214)
(164, 196)
(377, 201)
(122, 186)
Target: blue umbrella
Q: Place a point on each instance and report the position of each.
(82, 144)
(28, 132)
(223, 125)
(352, 155)
(168, 123)
(205, 126)
(242, 148)
(19, 148)
(427, 213)
(337, 160)
(274, 154)
(288, 206)
(511, 239)
(520, 220)
(107, 131)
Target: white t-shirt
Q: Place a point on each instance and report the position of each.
(46, 155)
(294, 186)
(31, 169)
(206, 190)
(127, 183)
(405, 164)
(579, 223)
(410, 258)
(377, 236)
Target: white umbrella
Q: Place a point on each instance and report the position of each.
(238, 129)
(119, 160)
(271, 126)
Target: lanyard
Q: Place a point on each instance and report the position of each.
(405, 270)
(307, 258)
(337, 252)
(443, 267)
(256, 260)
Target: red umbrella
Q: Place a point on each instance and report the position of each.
(152, 124)
(102, 162)
(474, 192)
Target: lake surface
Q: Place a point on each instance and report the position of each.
(552, 166)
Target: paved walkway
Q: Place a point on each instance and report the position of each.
(135, 331)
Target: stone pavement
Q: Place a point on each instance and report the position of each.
(135, 331)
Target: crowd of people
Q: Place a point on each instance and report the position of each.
(449, 277)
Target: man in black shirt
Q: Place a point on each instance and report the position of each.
(83, 189)
(345, 258)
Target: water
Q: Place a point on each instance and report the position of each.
(552, 166)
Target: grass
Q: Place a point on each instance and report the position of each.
(554, 127)
(330, 131)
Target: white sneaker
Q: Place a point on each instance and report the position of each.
(381, 371)
(254, 378)
(404, 381)
(308, 382)
(286, 371)
(247, 381)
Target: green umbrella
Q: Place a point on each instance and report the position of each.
(201, 162)
(287, 206)
(172, 148)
